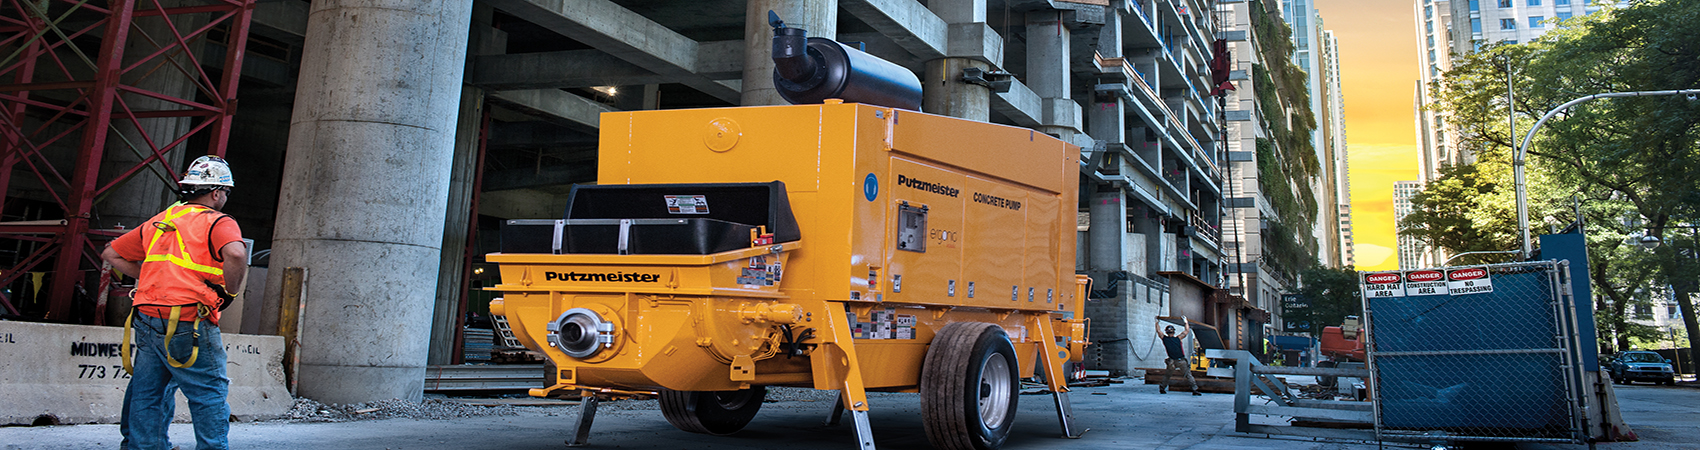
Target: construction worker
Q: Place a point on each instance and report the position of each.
(1177, 357)
(186, 260)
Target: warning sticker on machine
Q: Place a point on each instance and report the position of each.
(686, 204)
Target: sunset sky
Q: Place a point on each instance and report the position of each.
(1378, 70)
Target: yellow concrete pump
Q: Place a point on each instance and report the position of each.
(835, 246)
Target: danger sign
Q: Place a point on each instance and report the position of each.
(1383, 285)
(1468, 280)
(1425, 282)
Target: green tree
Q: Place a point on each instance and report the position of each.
(1328, 296)
(1640, 153)
(1457, 212)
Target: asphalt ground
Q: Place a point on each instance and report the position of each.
(1121, 416)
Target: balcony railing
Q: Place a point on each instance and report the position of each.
(1204, 230)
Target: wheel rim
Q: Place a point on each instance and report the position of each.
(995, 384)
(732, 400)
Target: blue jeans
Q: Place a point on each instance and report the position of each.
(204, 384)
(170, 404)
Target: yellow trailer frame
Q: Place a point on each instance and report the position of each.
(910, 222)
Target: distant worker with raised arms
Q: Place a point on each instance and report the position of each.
(186, 260)
(1176, 356)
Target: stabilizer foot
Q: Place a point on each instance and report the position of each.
(1065, 416)
(586, 415)
(864, 431)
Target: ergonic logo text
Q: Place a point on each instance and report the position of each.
(940, 189)
(613, 277)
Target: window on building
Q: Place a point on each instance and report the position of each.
(1535, 21)
(1431, 41)
(1507, 24)
(1534, 2)
(1428, 11)
(1431, 56)
(1563, 15)
(1475, 5)
(1476, 25)
(1561, 2)
(1505, 3)
(1430, 27)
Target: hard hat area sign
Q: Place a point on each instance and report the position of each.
(1468, 280)
(1425, 282)
(1383, 285)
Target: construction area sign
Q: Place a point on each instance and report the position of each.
(1425, 282)
(1383, 284)
(1468, 280)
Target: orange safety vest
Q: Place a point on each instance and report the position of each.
(179, 259)
(178, 265)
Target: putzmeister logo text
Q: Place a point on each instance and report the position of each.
(614, 277)
(941, 189)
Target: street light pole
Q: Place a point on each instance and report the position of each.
(1517, 160)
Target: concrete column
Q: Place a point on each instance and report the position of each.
(944, 93)
(1048, 73)
(1047, 54)
(148, 192)
(1109, 226)
(365, 188)
(483, 39)
(819, 17)
(1106, 119)
(942, 89)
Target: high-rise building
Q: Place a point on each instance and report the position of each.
(1311, 53)
(1334, 107)
(1413, 254)
(1449, 28)
(1262, 230)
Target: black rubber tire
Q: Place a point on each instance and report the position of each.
(952, 387)
(712, 412)
(1326, 380)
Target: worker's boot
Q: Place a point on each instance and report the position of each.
(1195, 393)
(1162, 390)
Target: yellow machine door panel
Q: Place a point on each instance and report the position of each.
(994, 246)
(1043, 252)
(925, 264)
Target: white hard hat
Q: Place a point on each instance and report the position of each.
(208, 171)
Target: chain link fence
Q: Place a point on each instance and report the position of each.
(1490, 357)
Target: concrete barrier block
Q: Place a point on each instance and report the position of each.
(74, 374)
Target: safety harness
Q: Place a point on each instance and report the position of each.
(181, 259)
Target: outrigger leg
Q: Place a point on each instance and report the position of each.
(837, 356)
(586, 415)
(1065, 415)
(1053, 357)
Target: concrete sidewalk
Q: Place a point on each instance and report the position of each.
(1130, 416)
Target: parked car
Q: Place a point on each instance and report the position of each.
(1630, 367)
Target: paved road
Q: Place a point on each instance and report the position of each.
(1131, 416)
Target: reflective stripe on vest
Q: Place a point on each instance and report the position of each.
(182, 258)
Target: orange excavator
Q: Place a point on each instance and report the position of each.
(1342, 346)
